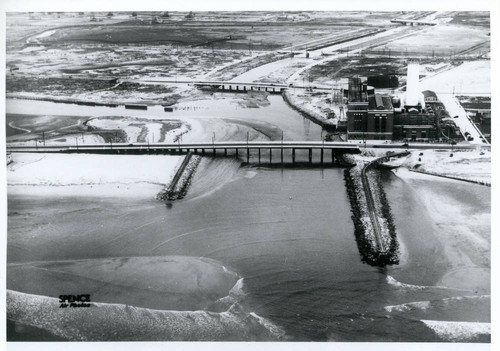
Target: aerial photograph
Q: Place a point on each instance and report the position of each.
(274, 176)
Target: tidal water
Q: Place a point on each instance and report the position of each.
(287, 233)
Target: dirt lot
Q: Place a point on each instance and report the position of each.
(115, 61)
(474, 19)
(362, 66)
(447, 39)
(248, 30)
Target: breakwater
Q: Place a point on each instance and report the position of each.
(180, 183)
(374, 227)
(311, 115)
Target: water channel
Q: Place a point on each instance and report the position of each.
(287, 232)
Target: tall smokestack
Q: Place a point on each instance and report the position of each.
(412, 85)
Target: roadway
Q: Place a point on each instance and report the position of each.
(459, 116)
(226, 83)
(350, 146)
(180, 147)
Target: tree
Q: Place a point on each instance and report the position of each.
(165, 14)
(134, 14)
(110, 14)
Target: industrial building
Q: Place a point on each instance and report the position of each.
(373, 116)
(369, 115)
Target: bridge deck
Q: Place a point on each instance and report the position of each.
(341, 147)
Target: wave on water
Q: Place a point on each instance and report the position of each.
(230, 302)
(459, 331)
(391, 281)
(394, 282)
(212, 175)
(119, 322)
(423, 305)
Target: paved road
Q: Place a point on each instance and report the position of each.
(353, 146)
(340, 146)
(462, 121)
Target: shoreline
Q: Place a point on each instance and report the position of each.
(467, 244)
(308, 114)
(130, 176)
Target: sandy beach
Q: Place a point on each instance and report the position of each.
(90, 175)
(159, 282)
(461, 216)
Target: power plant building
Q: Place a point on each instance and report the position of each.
(369, 115)
(381, 117)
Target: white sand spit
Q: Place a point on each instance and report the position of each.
(91, 175)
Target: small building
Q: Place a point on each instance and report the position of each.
(430, 96)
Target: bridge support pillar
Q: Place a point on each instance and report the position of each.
(225, 152)
(310, 155)
(214, 152)
(293, 156)
(282, 155)
(259, 155)
(236, 152)
(248, 155)
(333, 156)
(322, 151)
(270, 155)
(203, 152)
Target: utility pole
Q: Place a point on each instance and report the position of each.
(43, 137)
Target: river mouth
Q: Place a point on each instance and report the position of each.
(279, 229)
(286, 231)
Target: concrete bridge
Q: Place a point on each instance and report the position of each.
(413, 22)
(242, 87)
(232, 85)
(258, 152)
